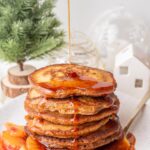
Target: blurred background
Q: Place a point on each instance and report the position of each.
(85, 12)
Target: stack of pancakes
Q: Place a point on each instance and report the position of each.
(72, 107)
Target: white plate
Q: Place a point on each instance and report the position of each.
(13, 111)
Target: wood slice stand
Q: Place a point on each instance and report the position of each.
(18, 77)
(16, 83)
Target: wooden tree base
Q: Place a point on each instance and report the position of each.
(12, 90)
(18, 77)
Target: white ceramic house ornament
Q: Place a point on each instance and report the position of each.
(132, 71)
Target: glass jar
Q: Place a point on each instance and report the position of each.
(114, 30)
(83, 51)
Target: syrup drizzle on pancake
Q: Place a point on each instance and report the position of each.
(75, 123)
(72, 80)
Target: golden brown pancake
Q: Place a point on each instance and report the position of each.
(95, 145)
(58, 118)
(123, 143)
(65, 80)
(106, 134)
(91, 146)
(85, 105)
(43, 127)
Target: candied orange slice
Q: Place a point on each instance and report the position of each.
(1, 144)
(32, 144)
(12, 142)
(23, 148)
(16, 130)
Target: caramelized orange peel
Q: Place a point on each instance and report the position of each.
(15, 138)
(15, 130)
(32, 144)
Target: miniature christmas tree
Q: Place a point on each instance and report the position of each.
(28, 30)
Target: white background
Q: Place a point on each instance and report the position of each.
(85, 12)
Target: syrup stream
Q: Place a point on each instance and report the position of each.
(75, 124)
(69, 34)
(75, 104)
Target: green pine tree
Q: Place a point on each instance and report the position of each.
(28, 30)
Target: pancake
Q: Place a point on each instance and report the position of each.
(86, 105)
(65, 80)
(91, 146)
(96, 145)
(106, 134)
(123, 143)
(58, 118)
(43, 127)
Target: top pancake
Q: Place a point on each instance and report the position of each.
(65, 80)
